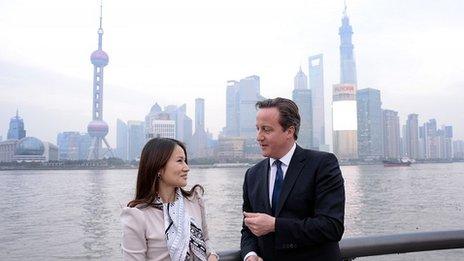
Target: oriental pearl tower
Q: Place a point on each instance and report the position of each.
(97, 128)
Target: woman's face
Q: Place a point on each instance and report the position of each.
(175, 172)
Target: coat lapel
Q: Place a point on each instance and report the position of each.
(266, 187)
(294, 169)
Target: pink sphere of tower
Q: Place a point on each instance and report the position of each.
(99, 58)
(97, 129)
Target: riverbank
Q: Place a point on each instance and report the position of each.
(107, 166)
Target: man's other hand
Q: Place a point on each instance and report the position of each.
(259, 223)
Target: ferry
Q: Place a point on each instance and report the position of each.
(403, 162)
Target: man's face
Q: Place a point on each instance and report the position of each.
(272, 138)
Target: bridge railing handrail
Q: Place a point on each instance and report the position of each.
(387, 244)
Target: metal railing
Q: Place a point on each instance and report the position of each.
(352, 248)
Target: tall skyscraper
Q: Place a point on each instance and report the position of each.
(316, 85)
(370, 138)
(391, 134)
(200, 114)
(199, 138)
(249, 94)
(183, 125)
(121, 140)
(403, 150)
(412, 136)
(344, 111)
(422, 142)
(302, 98)
(347, 61)
(458, 149)
(232, 109)
(241, 98)
(16, 130)
(300, 82)
(432, 149)
(345, 122)
(136, 139)
(446, 142)
(97, 128)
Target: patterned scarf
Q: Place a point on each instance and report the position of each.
(181, 231)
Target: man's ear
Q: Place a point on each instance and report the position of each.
(291, 130)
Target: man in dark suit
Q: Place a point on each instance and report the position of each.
(294, 200)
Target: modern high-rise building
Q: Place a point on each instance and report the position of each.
(370, 138)
(121, 140)
(412, 136)
(200, 114)
(446, 142)
(249, 94)
(98, 128)
(347, 61)
(73, 145)
(199, 138)
(344, 111)
(300, 82)
(160, 125)
(302, 98)
(183, 125)
(458, 149)
(68, 145)
(230, 149)
(232, 109)
(432, 149)
(391, 134)
(345, 122)
(403, 150)
(162, 128)
(316, 85)
(241, 98)
(422, 141)
(136, 139)
(8, 149)
(16, 130)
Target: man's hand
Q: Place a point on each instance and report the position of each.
(259, 224)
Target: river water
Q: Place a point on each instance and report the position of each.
(74, 214)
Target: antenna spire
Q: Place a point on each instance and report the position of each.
(101, 13)
(344, 10)
(100, 30)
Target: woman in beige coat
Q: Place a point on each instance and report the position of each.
(164, 221)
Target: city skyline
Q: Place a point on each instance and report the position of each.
(405, 91)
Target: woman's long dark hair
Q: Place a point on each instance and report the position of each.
(155, 155)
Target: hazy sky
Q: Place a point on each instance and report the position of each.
(172, 52)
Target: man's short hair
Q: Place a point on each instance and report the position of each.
(288, 112)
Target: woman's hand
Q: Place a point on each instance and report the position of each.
(213, 257)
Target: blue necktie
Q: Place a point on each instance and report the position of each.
(279, 180)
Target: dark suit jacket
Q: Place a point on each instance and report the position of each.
(309, 216)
